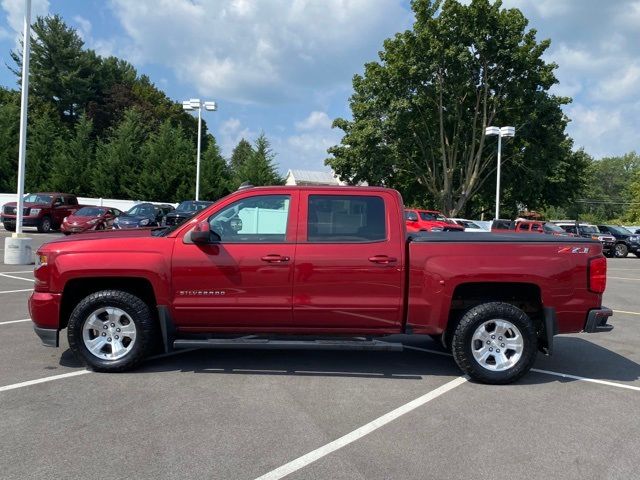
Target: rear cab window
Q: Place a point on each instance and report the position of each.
(346, 219)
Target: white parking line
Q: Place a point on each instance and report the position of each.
(16, 291)
(357, 434)
(15, 321)
(79, 372)
(547, 372)
(21, 271)
(43, 380)
(17, 278)
(625, 278)
(628, 313)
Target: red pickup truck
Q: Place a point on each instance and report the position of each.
(316, 268)
(429, 221)
(46, 211)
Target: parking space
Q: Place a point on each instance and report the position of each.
(318, 415)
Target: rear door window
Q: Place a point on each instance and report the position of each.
(346, 219)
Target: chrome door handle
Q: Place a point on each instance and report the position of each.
(274, 258)
(383, 259)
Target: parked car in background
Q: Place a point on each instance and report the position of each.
(42, 210)
(469, 225)
(528, 226)
(185, 211)
(90, 218)
(625, 240)
(142, 215)
(429, 221)
(586, 230)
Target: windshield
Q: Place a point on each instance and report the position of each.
(190, 207)
(432, 216)
(467, 224)
(141, 211)
(584, 229)
(553, 228)
(620, 230)
(38, 198)
(90, 212)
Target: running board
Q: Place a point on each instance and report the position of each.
(268, 344)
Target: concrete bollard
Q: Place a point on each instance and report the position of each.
(17, 251)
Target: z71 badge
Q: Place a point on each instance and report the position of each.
(573, 250)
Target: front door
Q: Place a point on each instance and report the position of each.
(349, 263)
(244, 280)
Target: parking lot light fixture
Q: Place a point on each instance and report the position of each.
(500, 132)
(189, 106)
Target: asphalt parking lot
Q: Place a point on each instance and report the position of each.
(319, 415)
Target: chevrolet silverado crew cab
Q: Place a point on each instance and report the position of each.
(316, 268)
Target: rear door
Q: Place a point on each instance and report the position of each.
(348, 271)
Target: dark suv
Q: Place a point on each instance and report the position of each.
(185, 210)
(625, 240)
(143, 215)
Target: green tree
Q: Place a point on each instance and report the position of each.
(420, 113)
(42, 132)
(214, 172)
(118, 160)
(73, 158)
(62, 73)
(608, 191)
(240, 157)
(9, 131)
(168, 167)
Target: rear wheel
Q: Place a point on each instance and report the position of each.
(111, 330)
(9, 228)
(495, 343)
(621, 250)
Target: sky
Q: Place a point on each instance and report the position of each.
(284, 67)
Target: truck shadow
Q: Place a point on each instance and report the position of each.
(573, 355)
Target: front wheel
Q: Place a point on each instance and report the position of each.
(621, 250)
(495, 343)
(111, 330)
(44, 225)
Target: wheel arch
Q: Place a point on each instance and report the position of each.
(77, 289)
(523, 295)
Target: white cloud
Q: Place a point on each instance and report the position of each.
(84, 27)
(15, 12)
(315, 120)
(259, 52)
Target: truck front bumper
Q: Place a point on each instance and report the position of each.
(26, 221)
(44, 308)
(597, 320)
(50, 336)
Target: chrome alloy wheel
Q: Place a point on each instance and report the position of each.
(109, 333)
(497, 345)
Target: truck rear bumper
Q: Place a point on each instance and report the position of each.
(597, 320)
(49, 336)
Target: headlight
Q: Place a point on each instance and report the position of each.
(144, 222)
(436, 229)
(41, 261)
(64, 220)
(35, 211)
(633, 239)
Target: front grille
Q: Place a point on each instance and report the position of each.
(9, 210)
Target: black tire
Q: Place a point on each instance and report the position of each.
(608, 254)
(462, 343)
(621, 250)
(44, 224)
(9, 228)
(139, 312)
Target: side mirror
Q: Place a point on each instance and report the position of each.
(202, 234)
(57, 202)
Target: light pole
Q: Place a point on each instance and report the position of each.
(18, 248)
(500, 132)
(196, 104)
